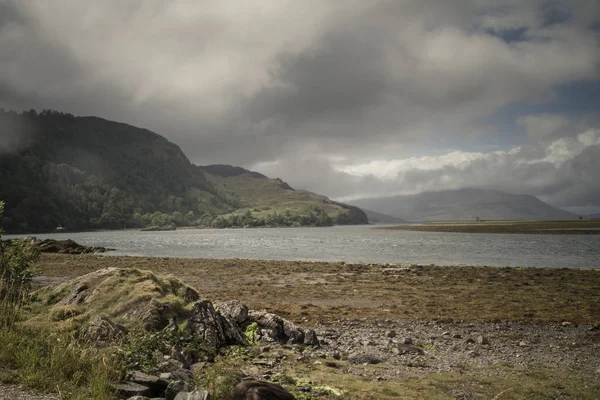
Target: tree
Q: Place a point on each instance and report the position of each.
(16, 274)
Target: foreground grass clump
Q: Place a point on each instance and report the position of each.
(131, 297)
(39, 359)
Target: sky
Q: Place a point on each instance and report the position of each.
(349, 99)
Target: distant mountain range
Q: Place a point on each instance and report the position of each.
(465, 205)
(90, 173)
(381, 218)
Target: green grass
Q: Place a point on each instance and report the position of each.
(46, 361)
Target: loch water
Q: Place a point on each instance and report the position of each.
(360, 244)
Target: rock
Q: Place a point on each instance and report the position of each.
(473, 353)
(566, 323)
(364, 359)
(523, 343)
(156, 384)
(390, 334)
(407, 340)
(470, 340)
(232, 310)
(130, 389)
(206, 325)
(67, 246)
(174, 388)
(310, 338)
(195, 395)
(250, 389)
(102, 330)
(482, 340)
(139, 398)
(401, 349)
(276, 329)
(182, 375)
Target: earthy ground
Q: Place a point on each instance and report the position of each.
(311, 292)
(585, 227)
(394, 331)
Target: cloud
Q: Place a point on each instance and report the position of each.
(560, 172)
(310, 81)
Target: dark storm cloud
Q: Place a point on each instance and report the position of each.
(311, 89)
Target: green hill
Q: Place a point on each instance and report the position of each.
(265, 199)
(87, 173)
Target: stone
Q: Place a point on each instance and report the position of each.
(130, 389)
(182, 374)
(566, 324)
(252, 389)
(174, 388)
(195, 395)
(407, 349)
(209, 326)
(390, 334)
(482, 340)
(232, 310)
(157, 385)
(407, 340)
(310, 338)
(139, 398)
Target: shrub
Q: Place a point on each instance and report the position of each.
(16, 273)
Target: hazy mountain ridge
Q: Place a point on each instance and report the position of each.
(87, 172)
(465, 204)
(381, 218)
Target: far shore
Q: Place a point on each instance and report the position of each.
(583, 227)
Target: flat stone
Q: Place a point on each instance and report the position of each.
(130, 389)
(195, 395)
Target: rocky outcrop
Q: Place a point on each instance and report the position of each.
(67, 246)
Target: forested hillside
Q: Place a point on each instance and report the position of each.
(86, 172)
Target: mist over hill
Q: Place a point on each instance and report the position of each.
(465, 205)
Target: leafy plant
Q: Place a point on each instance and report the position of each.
(16, 274)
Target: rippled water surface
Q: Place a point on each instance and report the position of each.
(354, 244)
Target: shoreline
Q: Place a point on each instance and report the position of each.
(584, 227)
